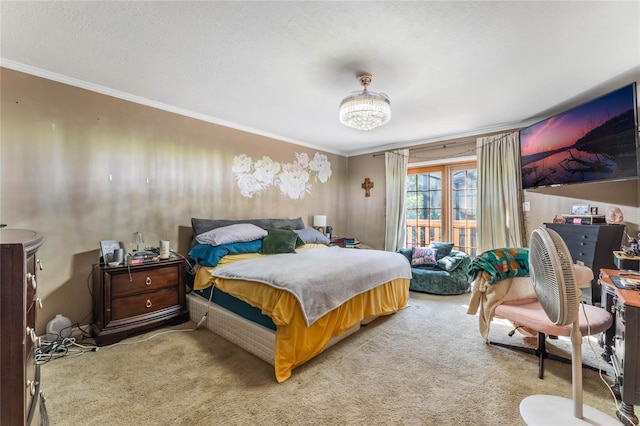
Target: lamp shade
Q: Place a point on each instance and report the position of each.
(137, 238)
(319, 220)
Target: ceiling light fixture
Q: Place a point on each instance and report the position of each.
(365, 110)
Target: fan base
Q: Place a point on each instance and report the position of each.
(555, 410)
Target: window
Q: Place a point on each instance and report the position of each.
(441, 206)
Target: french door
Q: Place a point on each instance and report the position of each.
(441, 206)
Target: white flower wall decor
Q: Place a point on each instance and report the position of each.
(291, 178)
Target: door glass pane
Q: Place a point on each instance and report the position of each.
(424, 208)
(463, 210)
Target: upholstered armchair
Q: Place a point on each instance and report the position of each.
(438, 269)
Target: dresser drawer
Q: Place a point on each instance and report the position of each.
(143, 280)
(579, 237)
(143, 303)
(32, 385)
(583, 251)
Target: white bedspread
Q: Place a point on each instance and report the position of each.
(321, 280)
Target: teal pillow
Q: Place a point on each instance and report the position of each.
(442, 249)
(280, 240)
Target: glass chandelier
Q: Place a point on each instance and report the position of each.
(365, 110)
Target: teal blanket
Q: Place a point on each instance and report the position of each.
(499, 264)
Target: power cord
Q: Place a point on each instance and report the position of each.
(190, 269)
(50, 350)
(206, 313)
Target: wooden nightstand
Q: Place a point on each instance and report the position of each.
(337, 241)
(135, 298)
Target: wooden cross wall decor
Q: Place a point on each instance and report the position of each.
(367, 185)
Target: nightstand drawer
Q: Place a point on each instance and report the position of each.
(125, 307)
(144, 280)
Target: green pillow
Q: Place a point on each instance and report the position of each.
(280, 240)
(443, 249)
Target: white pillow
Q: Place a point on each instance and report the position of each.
(240, 232)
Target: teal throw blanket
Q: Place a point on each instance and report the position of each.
(499, 264)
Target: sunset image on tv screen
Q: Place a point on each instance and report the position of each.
(593, 142)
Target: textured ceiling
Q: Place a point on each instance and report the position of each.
(281, 68)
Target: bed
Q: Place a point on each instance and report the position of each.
(288, 306)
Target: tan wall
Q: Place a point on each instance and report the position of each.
(59, 144)
(550, 202)
(366, 215)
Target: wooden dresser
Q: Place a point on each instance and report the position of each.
(129, 299)
(594, 245)
(21, 399)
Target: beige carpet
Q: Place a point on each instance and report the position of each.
(426, 365)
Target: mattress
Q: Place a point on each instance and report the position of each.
(237, 306)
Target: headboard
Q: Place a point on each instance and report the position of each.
(203, 225)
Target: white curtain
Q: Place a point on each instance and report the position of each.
(396, 193)
(500, 219)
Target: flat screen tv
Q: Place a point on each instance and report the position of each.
(596, 141)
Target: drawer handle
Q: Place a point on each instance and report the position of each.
(148, 281)
(148, 304)
(31, 384)
(32, 333)
(32, 278)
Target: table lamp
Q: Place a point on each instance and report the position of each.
(319, 222)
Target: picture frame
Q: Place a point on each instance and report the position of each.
(594, 211)
(107, 247)
(580, 209)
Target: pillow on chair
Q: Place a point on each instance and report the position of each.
(451, 262)
(423, 256)
(443, 249)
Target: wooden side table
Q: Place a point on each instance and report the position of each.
(337, 241)
(129, 299)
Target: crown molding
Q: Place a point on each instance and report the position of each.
(38, 72)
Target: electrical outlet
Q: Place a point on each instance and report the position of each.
(526, 206)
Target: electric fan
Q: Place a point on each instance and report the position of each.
(552, 274)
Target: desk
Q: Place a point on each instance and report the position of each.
(622, 342)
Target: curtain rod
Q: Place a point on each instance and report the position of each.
(459, 154)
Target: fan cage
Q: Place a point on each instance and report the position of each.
(553, 276)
